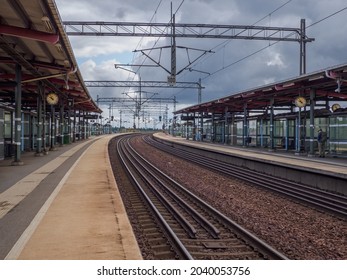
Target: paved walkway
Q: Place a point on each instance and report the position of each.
(84, 218)
(336, 166)
(12, 196)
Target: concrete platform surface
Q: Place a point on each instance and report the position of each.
(84, 218)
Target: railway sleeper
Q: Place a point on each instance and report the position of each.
(147, 224)
(157, 241)
(161, 248)
(151, 231)
(229, 255)
(163, 255)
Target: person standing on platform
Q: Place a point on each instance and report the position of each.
(322, 140)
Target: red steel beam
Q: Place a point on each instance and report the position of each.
(28, 34)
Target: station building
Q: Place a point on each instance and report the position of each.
(284, 115)
(43, 99)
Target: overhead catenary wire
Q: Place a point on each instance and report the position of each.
(226, 42)
(155, 43)
(270, 45)
(165, 30)
(151, 20)
(140, 42)
(224, 67)
(327, 17)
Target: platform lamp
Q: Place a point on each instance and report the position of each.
(48, 24)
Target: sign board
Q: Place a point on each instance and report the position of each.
(187, 118)
(91, 117)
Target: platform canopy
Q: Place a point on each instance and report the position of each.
(32, 37)
(329, 84)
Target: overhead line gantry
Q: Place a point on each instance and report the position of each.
(182, 30)
(151, 84)
(215, 31)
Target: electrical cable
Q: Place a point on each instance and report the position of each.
(325, 18)
(133, 60)
(163, 30)
(270, 45)
(140, 42)
(226, 42)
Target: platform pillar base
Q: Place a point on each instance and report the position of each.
(17, 163)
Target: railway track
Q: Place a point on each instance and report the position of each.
(178, 224)
(319, 199)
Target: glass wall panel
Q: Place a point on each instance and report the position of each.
(263, 133)
(239, 129)
(8, 125)
(26, 132)
(207, 131)
(280, 133)
(291, 134)
(322, 123)
(252, 132)
(338, 135)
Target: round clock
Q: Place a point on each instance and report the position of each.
(300, 101)
(335, 106)
(52, 98)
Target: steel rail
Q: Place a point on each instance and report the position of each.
(166, 226)
(250, 238)
(151, 169)
(143, 174)
(330, 202)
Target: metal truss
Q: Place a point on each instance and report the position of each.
(135, 105)
(140, 108)
(128, 100)
(216, 31)
(152, 84)
(175, 30)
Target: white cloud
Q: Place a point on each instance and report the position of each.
(233, 67)
(276, 60)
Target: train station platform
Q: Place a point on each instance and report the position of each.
(67, 208)
(313, 171)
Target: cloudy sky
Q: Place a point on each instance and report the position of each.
(231, 67)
